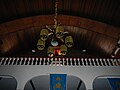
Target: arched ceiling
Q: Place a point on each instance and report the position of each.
(94, 24)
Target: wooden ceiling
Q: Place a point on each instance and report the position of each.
(107, 11)
(94, 24)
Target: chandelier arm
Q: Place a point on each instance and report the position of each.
(62, 39)
(50, 34)
(66, 33)
(49, 28)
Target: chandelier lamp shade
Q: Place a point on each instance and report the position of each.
(57, 37)
(59, 32)
(69, 41)
(40, 44)
(44, 34)
(63, 50)
(50, 51)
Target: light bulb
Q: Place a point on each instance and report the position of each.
(54, 43)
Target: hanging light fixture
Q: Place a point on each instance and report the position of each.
(59, 38)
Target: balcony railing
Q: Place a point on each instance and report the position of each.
(60, 61)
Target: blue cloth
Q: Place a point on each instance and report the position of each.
(58, 81)
(114, 83)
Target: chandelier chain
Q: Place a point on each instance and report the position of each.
(56, 14)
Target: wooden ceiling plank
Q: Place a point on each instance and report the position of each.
(100, 10)
(39, 21)
(20, 8)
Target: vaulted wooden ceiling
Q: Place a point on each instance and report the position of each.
(94, 24)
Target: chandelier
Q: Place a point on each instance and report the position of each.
(60, 40)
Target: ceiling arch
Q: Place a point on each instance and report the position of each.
(96, 37)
